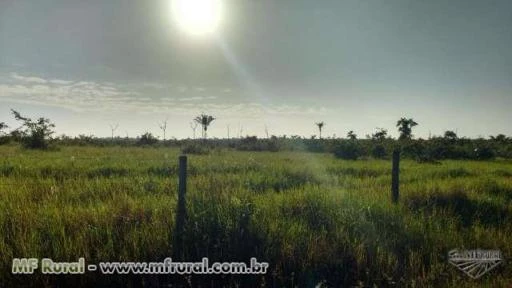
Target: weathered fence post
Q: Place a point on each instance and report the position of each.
(181, 213)
(395, 176)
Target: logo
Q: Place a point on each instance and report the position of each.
(475, 263)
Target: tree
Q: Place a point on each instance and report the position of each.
(34, 134)
(450, 135)
(113, 128)
(205, 121)
(147, 139)
(2, 127)
(501, 138)
(320, 126)
(240, 130)
(380, 134)
(3, 138)
(405, 127)
(348, 150)
(163, 126)
(193, 125)
(351, 135)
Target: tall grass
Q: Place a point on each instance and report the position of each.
(314, 218)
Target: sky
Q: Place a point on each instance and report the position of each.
(275, 65)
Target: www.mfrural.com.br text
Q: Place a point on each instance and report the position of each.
(167, 266)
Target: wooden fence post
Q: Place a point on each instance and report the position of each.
(395, 176)
(181, 213)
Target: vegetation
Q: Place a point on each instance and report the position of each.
(147, 139)
(37, 135)
(4, 139)
(314, 218)
(33, 134)
(351, 135)
(380, 135)
(320, 126)
(405, 127)
(163, 127)
(3, 126)
(205, 121)
(348, 150)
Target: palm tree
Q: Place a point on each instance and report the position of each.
(205, 121)
(320, 126)
(499, 138)
(351, 135)
(405, 127)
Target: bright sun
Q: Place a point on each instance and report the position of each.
(197, 17)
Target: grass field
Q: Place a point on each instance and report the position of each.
(314, 218)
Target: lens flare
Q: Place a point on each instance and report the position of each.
(197, 17)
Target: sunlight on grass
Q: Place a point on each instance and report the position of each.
(330, 221)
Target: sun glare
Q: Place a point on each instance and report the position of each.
(197, 17)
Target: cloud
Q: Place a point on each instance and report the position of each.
(154, 85)
(60, 82)
(88, 96)
(76, 96)
(197, 98)
(28, 79)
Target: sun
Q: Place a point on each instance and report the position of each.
(197, 17)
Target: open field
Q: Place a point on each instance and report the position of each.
(314, 218)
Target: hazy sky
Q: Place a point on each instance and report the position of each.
(286, 64)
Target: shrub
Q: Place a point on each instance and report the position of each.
(34, 134)
(195, 149)
(147, 139)
(348, 150)
(4, 140)
(379, 152)
(484, 153)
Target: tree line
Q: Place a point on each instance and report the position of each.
(39, 134)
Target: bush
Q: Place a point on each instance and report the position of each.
(4, 140)
(414, 149)
(379, 152)
(484, 153)
(273, 145)
(147, 139)
(195, 149)
(36, 134)
(348, 150)
(252, 143)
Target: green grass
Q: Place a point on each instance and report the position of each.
(312, 217)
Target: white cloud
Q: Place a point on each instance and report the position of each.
(27, 79)
(83, 96)
(154, 85)
(196, 98)
(60, 82)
